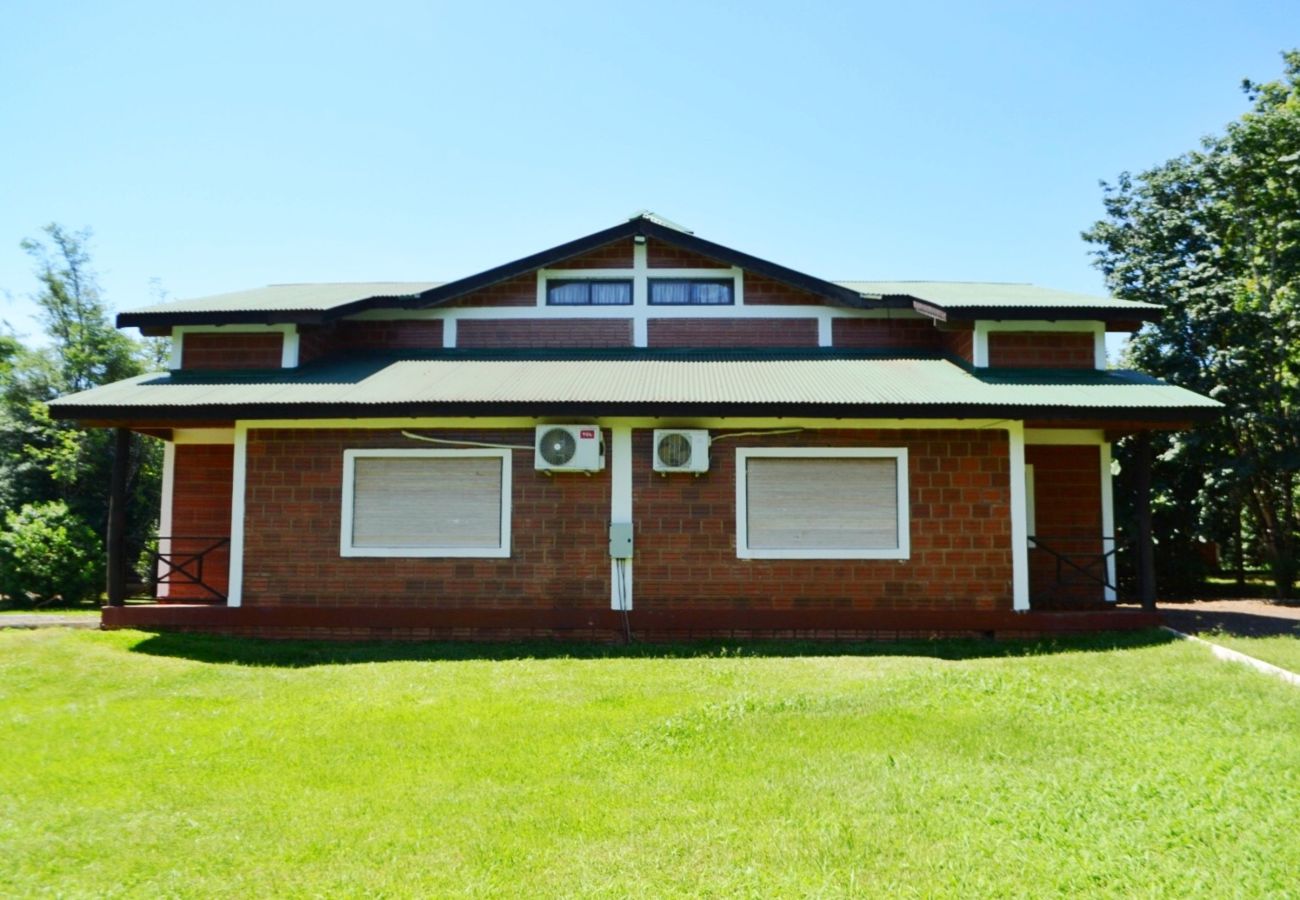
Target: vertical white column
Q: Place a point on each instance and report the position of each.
(289, 348)
(980, 344)
(165, 510)
(1099, 345)
(825, 327)
(235, 591)
(1108, 519)
(1019, 519)
(640, 296)
(620, 510)
(449, 333)
(178, 347)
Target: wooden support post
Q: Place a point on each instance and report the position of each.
(1146, 549)
(116, 537)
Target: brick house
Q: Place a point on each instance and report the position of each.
(639, 430)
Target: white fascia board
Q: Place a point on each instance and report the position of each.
(203, 435)
(1068, 436)
(719, 422)
(756, 311)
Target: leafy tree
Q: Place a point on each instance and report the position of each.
(48, 554)
(1214, 236)
(42, 459)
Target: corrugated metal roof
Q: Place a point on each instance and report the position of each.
(324, 297)
(286, 297)
(958, 294)
(849, 382)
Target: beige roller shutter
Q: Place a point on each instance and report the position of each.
(822, 503)
(414, 502)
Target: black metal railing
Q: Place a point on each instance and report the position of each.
(181, 559)
(1085, 563)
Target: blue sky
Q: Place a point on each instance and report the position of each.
(249, 143)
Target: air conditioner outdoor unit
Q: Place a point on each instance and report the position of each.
(568, 448)
(681, 450)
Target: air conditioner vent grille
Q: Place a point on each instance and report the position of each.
(557, 446)
(674, 450)
(681, 450)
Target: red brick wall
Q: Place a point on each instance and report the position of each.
(1067, 506)
(960, 343)
(617, 255)
(560, 543)
(885, 333)
(732, 332)
(475, 333)
(315, 342)
(232, 351)
(960, 532)
(760, 291)
(666, 256)
(685, 540)
(201, 489)
(1041, 350)
(518, 291)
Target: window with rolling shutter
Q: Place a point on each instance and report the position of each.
(822, 503)
(426, 503)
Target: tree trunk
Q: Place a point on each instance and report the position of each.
(116, 538)
(1146, 550)
(1241, 549)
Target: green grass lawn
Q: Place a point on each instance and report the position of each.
(142, 765)
(1281, 651)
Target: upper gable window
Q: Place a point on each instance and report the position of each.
(588, 292)
(692, 292)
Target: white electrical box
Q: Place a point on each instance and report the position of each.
(620, 540)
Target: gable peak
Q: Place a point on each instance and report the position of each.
(657, 219)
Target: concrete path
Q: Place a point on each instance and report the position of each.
(39, 620)
(1245, 618)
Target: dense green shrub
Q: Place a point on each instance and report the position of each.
(49, 555)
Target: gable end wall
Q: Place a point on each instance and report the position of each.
(237, 350)
(1042, 350)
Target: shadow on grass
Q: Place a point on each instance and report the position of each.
(300, 654)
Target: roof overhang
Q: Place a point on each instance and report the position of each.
(157, 417)
(798, 383)
(1124, 319)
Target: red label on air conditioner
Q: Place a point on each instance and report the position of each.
(587, 433)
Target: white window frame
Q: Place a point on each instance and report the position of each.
(288, 345)
(904, 518)
(553, 280)
(350, 457)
